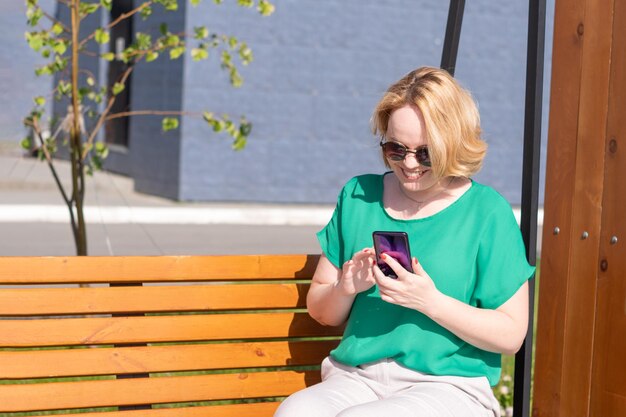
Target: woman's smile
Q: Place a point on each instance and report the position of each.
(412, 175)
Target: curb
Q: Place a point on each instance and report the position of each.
(241, 215)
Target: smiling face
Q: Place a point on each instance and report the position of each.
(406, 126)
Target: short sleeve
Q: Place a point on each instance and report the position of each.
(330, 237)
(502, 266)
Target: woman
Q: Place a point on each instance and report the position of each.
(428, 343)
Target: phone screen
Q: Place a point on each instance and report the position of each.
(396, 245)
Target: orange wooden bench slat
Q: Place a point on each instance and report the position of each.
(263, 342)
(94, 269)
(59, 301)
(150, 359)
(231, 410)
(135, 391)
(120, 330)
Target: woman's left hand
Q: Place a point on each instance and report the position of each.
(412, 290)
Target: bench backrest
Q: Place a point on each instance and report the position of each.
(166, 336)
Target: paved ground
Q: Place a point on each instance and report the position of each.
(35, 221)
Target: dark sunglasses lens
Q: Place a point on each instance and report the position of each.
(394, 151)
(423, 156)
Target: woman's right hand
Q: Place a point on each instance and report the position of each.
(358, 273)
(333, 290)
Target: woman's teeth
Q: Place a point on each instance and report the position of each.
(413, 175)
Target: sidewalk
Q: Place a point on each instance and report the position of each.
(124, 222)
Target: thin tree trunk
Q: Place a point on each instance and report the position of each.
(78, 179)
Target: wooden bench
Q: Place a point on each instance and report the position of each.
(135, 342)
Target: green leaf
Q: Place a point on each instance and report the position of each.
(82, 92)
(201, 32)
(198, 54)
(146, 12)
(245, 3)
(35, 40)
(117, 88)
(40, 101)
(87, 8)
(175, 53)
(265, 8)
(235, 78)
(102, 36)
(109, 56)
(245, 53)
(169, 123)
(59, 46)
(163, 29)
(57, 29)
(90, 81)
(26, 143)
(59, 64)
(171, 5)
(107, 4)
(240, 143)
(245, 127)
(172, 40)
(65, 87)
(101, 149)
(195, 2)
(151, 56)
(45, 70)
(208, 117)
(144, 41)
(33, 14)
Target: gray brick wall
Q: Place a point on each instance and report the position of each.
(18, 83)
(158, 85)
(319, 69)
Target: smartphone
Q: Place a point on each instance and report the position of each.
(396, 245)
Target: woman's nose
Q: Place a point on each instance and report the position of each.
(410, 160)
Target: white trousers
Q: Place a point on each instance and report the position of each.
(384, 388)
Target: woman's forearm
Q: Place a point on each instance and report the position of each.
(501, 330)
(327, 304)
(333, 290)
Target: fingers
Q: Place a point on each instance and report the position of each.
(393, 264)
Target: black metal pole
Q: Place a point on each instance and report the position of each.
(453, 35)
(530, 188)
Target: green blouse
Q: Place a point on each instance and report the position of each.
(473, 251)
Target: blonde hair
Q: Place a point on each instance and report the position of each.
(450, 114)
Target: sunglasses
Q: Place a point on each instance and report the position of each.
(396, 151)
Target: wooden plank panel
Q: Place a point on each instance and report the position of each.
(120, 330)
(149, 359)
(84, 394)
(560, 172)
(587, 209)
(59, 301)
(266, 409)
(608, 397)
(95, 269)
(235, 410)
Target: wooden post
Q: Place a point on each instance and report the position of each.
(583, 187)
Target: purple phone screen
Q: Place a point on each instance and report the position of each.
(394, 245)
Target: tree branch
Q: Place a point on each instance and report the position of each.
(103, 116)
(152, 113)
(116, 21)
(49, 161)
